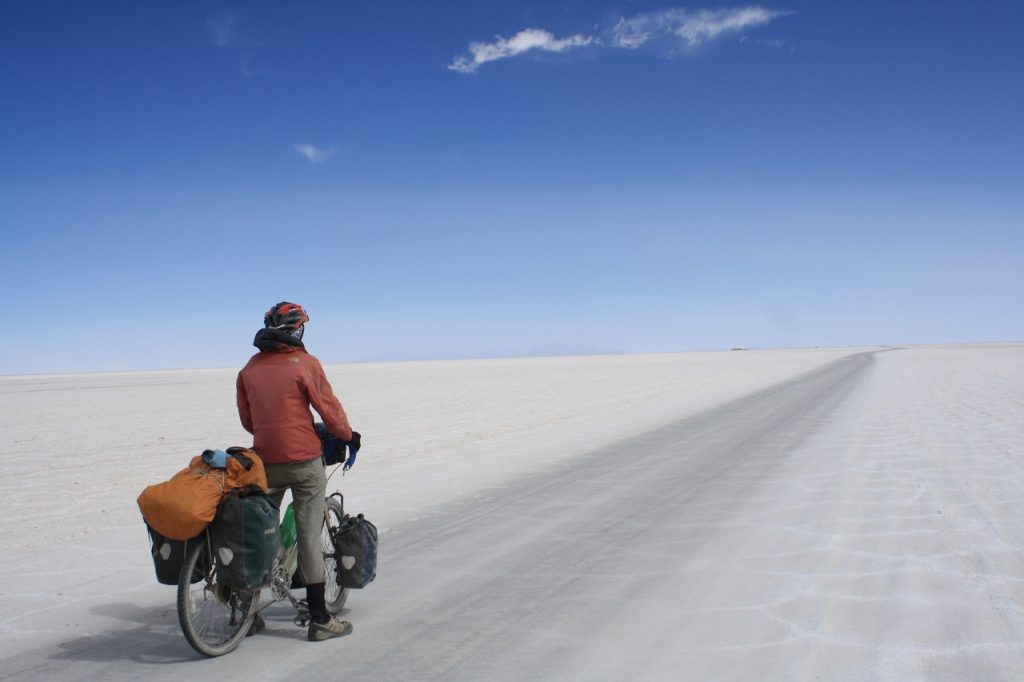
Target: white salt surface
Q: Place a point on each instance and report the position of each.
(863, 522)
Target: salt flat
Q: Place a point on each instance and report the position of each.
(814, 514)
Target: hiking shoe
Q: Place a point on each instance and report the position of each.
(258, 624)
(329, 630)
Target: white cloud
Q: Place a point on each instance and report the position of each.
(678, 29)
(524, 41)
(312, 154)
(690, 28)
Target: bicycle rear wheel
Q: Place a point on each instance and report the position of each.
(334, 594)
(214, 617)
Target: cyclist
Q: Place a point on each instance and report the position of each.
(275, 391)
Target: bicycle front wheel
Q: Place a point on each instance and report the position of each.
(214, 617)
(334, 594)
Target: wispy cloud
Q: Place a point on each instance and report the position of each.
(765, 42)
(237, 37)
(676, 30)
(312, 154)
(223, 30)
(524, 41)
(689, 29)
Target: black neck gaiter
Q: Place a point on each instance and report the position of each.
(270, 339)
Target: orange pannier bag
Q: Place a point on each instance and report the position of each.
(182, 507)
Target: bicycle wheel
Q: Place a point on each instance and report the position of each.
(334, 595)
(214, 617)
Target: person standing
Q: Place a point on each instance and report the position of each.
(275, 391)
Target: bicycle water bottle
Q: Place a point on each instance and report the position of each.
(288, 527)
(288, 540)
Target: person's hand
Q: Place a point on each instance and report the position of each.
(353, 448)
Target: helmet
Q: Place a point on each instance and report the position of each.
(285, 316)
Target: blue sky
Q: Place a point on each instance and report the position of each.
(469, 177)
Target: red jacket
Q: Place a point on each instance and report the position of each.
(275, 391)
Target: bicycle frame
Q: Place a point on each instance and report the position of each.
(281, 586)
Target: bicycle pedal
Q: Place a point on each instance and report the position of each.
(301, 621)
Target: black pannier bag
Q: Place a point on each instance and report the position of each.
(246, 539)
(168, 555)
(355, 551)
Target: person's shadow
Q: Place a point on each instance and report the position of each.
(155, 635)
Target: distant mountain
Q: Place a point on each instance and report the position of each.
(560, 349)
(552, 349)
(398, 356)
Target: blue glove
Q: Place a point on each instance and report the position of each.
(353, 450)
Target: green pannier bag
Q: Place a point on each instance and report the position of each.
(246, 539)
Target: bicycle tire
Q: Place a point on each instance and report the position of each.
(214, 617)
(334, 595)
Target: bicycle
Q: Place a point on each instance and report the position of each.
(215, 618)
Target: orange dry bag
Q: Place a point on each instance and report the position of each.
(182, 507)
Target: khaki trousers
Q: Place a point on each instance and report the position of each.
(308, 484)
